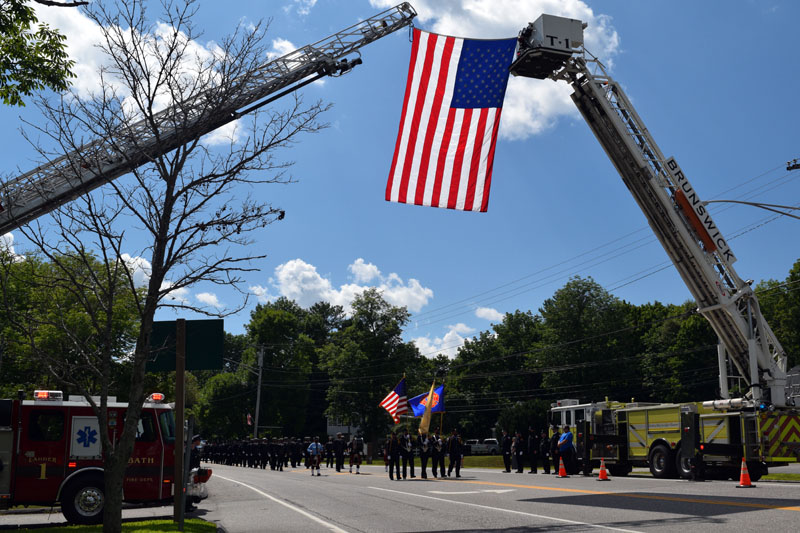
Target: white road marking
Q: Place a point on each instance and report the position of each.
(511, 511)
(496, 491)
(328, 525)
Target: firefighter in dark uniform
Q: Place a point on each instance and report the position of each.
(329, 452)
(425, 453)
(505, 444)
(407, 452)
(339, 446)
(533, 449)
(554, 449)
(263, 453)
(519, 452)
(393, 452)
(280, 454)
(438, 454)
(544, 452)
(454, 450)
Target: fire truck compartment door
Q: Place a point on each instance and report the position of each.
(85, 440)
(6, 450)
(6, 447)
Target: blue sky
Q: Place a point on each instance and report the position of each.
(715, 82)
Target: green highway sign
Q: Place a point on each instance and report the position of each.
(204, 345)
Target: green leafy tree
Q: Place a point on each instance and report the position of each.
(493, 372)
(679, 357)
(780, 303)
(33, 56)
(275, 329)
(192, 209)
(69, 321)
(365, 361)
(223, 404)
(584, 334)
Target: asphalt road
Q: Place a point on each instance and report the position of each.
(243, 500)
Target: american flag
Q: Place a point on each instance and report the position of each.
(448, 127)
(396, 402)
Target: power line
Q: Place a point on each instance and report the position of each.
(489, 297)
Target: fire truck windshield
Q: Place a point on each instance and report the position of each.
(166, 419)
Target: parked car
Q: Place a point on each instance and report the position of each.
(481, 447)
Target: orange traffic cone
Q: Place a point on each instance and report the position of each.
(744, 478)
(603, 474)
(562, 472)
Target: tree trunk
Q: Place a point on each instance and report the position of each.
(112, 513)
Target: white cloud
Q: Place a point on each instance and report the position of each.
(531, 106)
(7, 245)
(363, 272)
(209, 298)
(262, 293)
(140, 269)
(488, 313)
(447, 345)
(83, 38)
(302, 7)
(280, 47)
(300, 281)
(176, 296)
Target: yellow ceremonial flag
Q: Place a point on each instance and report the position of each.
(424, 425)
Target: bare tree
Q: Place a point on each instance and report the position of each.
(194, 207)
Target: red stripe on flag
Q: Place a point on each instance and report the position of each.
(436, 108)
(419, 105)
(455, 180)
(436, 199)
(490, 162)
(474, 166)
(409, 83)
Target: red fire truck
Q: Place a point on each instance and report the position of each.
(50, 452)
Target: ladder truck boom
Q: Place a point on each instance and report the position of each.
(43, 189)
(552, 47)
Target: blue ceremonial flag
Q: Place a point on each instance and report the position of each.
(418, 403)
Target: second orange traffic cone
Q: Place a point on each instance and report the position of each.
(744, 478)
(603, 474)
(562, 472)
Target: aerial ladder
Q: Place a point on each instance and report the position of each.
(51, 185)
(552, 48)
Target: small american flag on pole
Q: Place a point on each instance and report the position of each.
(448, 127)
(396, 402)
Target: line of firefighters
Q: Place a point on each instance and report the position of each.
(400, 448)
(278, 453)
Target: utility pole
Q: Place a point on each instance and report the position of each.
(258, 392)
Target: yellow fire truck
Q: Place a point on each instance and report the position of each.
(707, 438)
(686, 440)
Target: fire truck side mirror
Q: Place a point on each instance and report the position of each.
(21, 394)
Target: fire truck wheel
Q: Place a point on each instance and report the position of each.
(619, 470)
(755, 469)
(662, 464)
(82, 501)
(683, 465)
